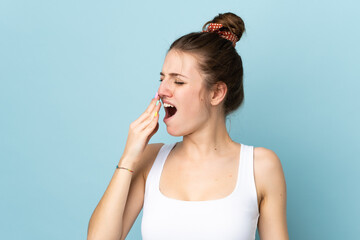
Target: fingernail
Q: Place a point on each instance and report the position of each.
(155, 114)
(156, 95)
(157, 102)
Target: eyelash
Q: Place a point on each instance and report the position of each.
(180, 83)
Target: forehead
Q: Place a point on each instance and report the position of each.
(181, 63)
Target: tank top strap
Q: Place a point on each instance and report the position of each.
(156, 169)
(246, 162)
(247, 178)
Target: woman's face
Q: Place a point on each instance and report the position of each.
(182, 86)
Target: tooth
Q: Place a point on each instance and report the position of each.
(168, 105)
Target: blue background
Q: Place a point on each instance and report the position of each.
(75, 74)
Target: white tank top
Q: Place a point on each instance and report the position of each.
(234, 217)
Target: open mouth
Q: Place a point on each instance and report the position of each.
(169, 112)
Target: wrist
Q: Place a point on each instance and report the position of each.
(127, 169)
(124, 162)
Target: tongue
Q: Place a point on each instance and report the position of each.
(172, 111)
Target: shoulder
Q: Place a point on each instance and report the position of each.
(150, 153)
(268, 170)
(152, 148)
(266, 159)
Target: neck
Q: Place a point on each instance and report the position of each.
(208, 143)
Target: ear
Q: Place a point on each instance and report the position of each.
(218, 93)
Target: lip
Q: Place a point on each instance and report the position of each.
(165, 101)
(165, 120)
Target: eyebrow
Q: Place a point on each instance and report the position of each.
(173, 74)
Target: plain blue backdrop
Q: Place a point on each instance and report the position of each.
(75, 74)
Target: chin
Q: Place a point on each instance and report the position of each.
(174, 133)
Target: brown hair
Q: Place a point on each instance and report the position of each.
(218, 59)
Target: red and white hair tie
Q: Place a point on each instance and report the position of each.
(214, 27)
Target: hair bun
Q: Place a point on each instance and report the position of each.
(231, 22)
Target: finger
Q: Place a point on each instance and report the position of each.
(147, 116)
(153, 118)
(148, 111)
(150, 128)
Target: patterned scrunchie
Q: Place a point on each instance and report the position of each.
(214, 27)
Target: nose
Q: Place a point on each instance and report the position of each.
(165, 89)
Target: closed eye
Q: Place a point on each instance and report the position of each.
(175, 82)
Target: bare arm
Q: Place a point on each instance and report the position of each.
(106, 222)
(271, 180)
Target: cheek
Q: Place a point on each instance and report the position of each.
(196, 103)
(204, 101)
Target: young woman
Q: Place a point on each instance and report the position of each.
(206, 186)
